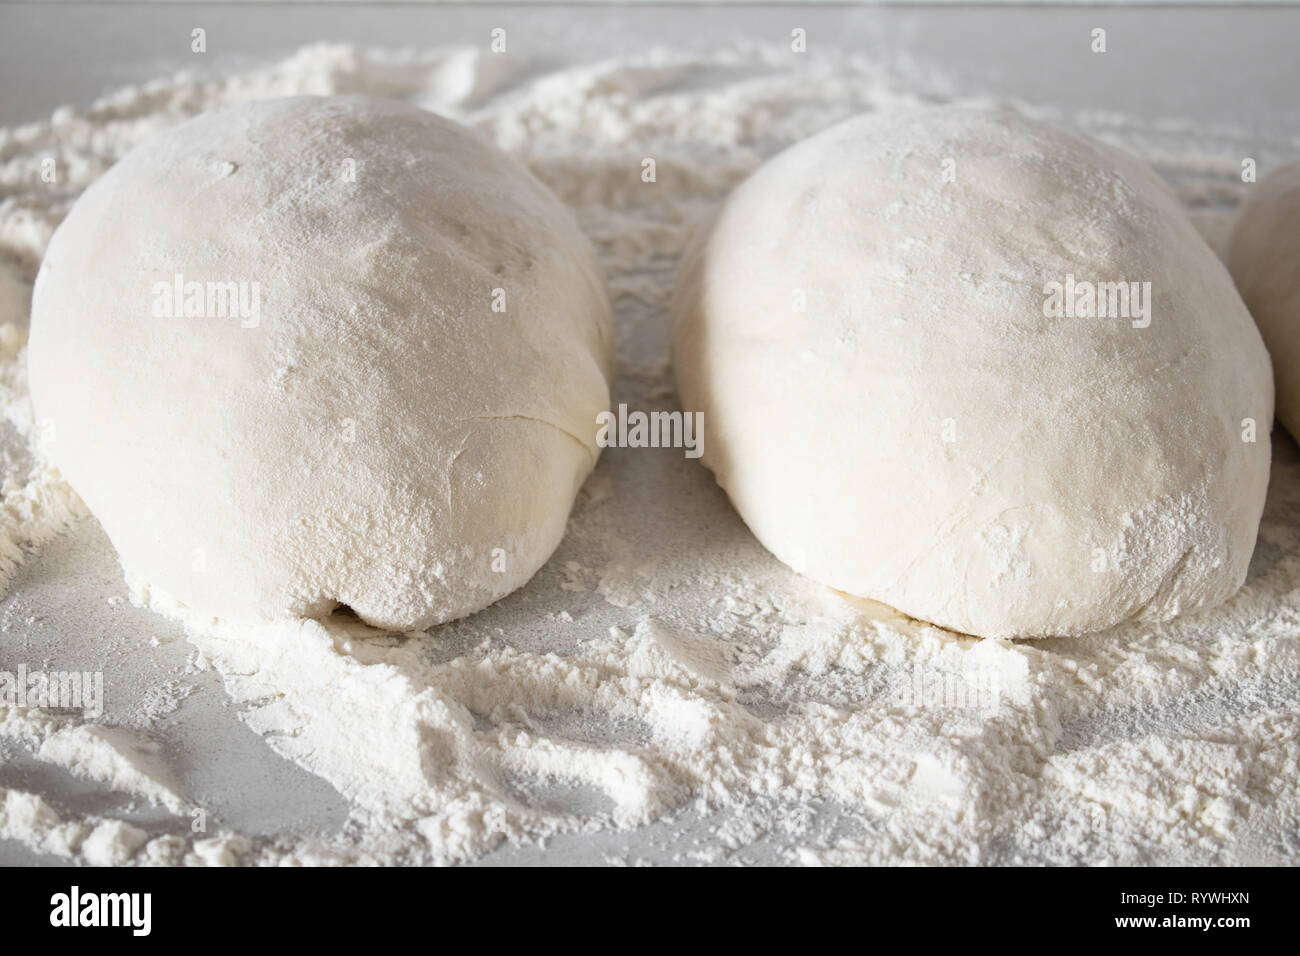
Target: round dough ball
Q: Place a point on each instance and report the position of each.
(1264, 258)
(319, 351)
(895, 410)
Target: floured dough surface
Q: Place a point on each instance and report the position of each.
(1264, 256)
(318, 351)
(895, 410)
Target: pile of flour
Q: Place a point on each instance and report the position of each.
(662, 672)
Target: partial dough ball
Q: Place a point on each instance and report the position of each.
(399, 412)
(895, 413)
(1264, 258)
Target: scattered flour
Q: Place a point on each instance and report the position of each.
(115, 757)
(27, 819)
(662, 672)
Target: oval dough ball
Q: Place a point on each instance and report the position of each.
(397, 414)
(1264, 258)
(894, 412)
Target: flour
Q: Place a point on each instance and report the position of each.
(115, 757)
(662, 672)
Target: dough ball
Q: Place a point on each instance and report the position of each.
(1264, 258)
(319, 351)
(900, 407)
